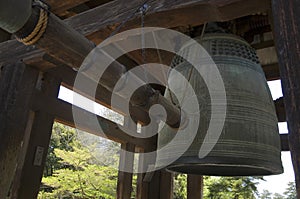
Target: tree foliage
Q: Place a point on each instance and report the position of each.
(266, 194)
(291, 192)
(180, 189)
(220, 187)
(230, 187)
(62, 137)
(76, 173)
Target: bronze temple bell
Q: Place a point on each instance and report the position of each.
(249, 144)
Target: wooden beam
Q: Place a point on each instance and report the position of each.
(280, 110)
(17, 82)
(287, 39)
(271, 71)
(60, 7)
(194, 187)
(36, 143)
(124, 187)
(168, 14)
(264, 44)
(284, 139)
(63, 113)
(102, 95)
(68, 46)
(59, 40)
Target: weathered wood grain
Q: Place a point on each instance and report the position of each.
(59, 7)
(124, 186)
(30, 167)
(168, 13)
(286, 17)
(17, 83)
(194, 187)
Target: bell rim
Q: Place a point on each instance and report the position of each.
(233, 167)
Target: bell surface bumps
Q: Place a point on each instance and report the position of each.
(249, 144)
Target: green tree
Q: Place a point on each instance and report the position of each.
(180, 189)
(220, 187)
(230, 187)
(278, 196)
(265, 195)
(80, 178)
(74, 172)
(290, 192)
(61, 138)
(104, 151)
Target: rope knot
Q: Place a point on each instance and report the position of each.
(40, 27)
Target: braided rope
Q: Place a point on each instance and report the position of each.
(38, 31)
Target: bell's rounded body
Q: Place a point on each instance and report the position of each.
(249, 144)
(14, 14)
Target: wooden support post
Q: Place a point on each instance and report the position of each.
(287, 39)
(166, 185)
(34, 151)
(124, 187)
(194, 187)
(17, 83)
(159, 186)
(141, 187)
(155, 184)
(144, 179)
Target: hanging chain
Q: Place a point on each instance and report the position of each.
(190, 73)
(203, 31)
(138, 10)
(143, 11)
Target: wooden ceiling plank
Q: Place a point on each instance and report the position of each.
(59, 7)
(168, 14)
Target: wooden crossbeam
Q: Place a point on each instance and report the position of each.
(284, 138)
(63, 113)
(103, 96)
(60, 7)
(271, 71)
(264, 44)
(168, 14)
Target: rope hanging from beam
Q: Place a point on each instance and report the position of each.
(40, 27)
